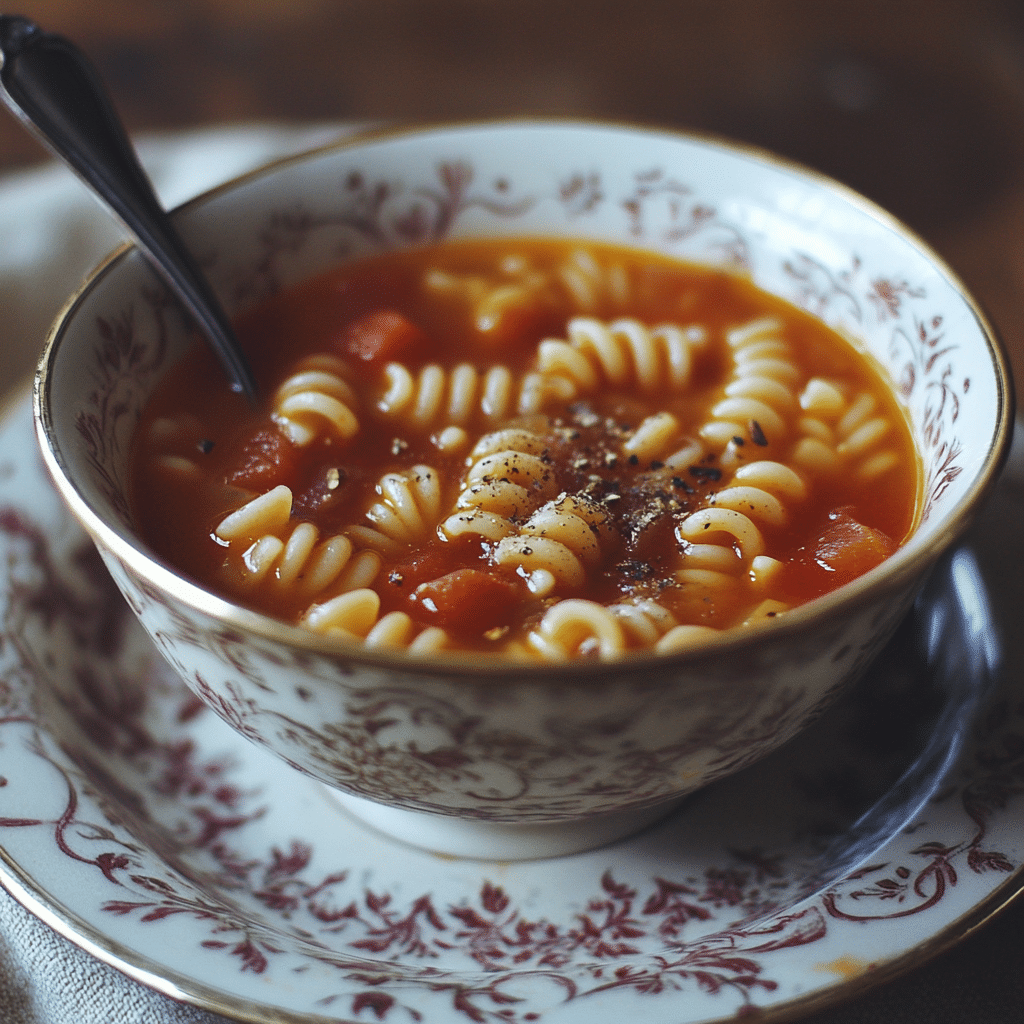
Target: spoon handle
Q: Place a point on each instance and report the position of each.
(54, 90)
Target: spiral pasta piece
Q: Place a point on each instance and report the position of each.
(654, 438)
(841, 434)
(290, 558)
(592, 283)
(397, 631)
(578, 628)
(352, 614)
(407, 512)
(723, 549)
(643, 622)
(622, 352)
(464, 396)
(723, 539)
(556, 544)
(266, 513)
(315, 399)
(509, 476)
(356, 615)
(491, 300)
(173, 440)
(738, 531)
(759, 399)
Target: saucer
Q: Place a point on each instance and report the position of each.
(156, 838)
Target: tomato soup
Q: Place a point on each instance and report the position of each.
(529, 447)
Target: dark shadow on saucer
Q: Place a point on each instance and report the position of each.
(837, 793)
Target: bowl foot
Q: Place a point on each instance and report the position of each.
(496, 840)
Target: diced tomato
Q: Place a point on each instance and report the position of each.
(381, 336)
(426, 564)
(267, 459)
(850, 548)
(316, 494)
(468, 600)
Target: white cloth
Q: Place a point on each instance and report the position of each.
(52, 232)
(44, 979)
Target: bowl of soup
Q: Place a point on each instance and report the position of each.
(588, 464)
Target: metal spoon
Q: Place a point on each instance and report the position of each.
(55, 91)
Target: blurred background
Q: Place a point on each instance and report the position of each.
(917, 103)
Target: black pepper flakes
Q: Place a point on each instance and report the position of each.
(635, 571)
(757, 434)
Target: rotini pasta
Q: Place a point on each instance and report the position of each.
(490, 300)
(537, 450)
(840, 435)
(621, 353)
(592, 283)
(760, 394)
(315, 398)
(462, 397)
(407, 512)
(277, 554)
(508, 477)
(556, 543)
(722, 542)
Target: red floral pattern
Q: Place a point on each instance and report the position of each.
(171, 831)
(485, 771)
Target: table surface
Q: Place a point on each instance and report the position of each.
(917, 103)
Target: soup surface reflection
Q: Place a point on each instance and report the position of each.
(528, 447)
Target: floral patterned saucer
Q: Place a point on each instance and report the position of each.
(155, 837)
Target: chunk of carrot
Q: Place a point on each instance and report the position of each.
(381, 336)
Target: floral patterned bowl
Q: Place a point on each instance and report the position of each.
(501, 760)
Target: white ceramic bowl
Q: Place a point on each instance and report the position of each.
(495, 759)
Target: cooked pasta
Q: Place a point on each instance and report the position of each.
(593, 283)
(759, 397)
(578, 627)
(315, 398)
(491, 299)
(462, 397)
(556, 544)
(286, 556)
(841, 435)
(407, 512)
(533, 450)
(620, 353)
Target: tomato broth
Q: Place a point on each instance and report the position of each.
(530, 447)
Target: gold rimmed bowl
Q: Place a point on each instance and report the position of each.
(479, 757)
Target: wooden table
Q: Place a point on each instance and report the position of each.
(917, 103)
